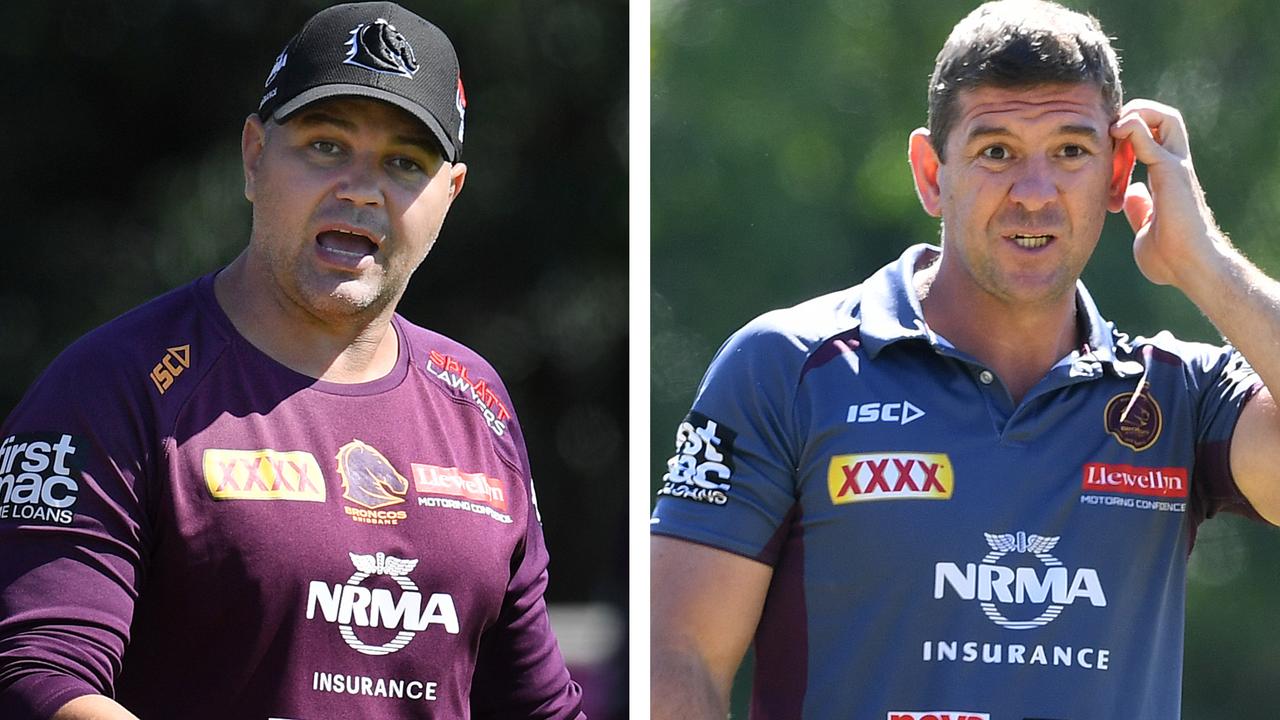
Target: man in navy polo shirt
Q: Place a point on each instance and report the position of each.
(956, 490)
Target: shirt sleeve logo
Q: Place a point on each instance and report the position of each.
(38, 473)
(703, 464)
(1134, 420)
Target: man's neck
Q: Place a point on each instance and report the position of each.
(1020, 343)
(354, 351)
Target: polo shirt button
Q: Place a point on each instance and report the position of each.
(986, 377)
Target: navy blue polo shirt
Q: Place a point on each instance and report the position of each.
(937, 549)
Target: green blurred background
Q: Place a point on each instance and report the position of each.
(779, 172)
(121, 179)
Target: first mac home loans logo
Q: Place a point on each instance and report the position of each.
(38, 474)
(703, 464)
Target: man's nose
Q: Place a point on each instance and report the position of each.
(1034, 185)
(361, 184)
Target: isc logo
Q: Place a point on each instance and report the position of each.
(890, 476)
(938, 715)
(170, 367)
(895, 412)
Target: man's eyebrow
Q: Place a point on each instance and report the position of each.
(318, 117)
(420, 142)
(982, 131)
(424, 143)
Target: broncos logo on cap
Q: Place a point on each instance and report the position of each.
(378, 46)
(368, 478)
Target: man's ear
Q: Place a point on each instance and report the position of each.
(1122, 161)
(457, 177)
(252, 140)
(925, 166)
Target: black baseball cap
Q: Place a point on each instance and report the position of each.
(376, 50)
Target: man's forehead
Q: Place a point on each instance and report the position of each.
(1075, 105)
(355, 112)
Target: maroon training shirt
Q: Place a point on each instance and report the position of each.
(200, 532)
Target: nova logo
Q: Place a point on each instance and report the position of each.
(1130, 480)
(1001, 587)
(170, 367)
(901, 413)
(352, 605)
(262, 475)
(938, 715)
(890, 476)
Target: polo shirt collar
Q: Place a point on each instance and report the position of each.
(890, 312)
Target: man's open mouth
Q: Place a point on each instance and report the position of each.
(347, 243)
(1031, 242)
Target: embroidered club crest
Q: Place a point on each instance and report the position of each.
(379, 47)
(368, 479)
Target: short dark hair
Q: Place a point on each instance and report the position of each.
(1020, 43)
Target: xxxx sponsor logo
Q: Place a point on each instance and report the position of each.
(890, 476)
(938, 715)
(263, 475)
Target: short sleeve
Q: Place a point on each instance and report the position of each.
(1226, 382)
(72, 533)
(731, 481)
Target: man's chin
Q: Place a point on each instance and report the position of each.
(346, 300)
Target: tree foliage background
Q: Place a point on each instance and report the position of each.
(779, 172)
(121, 179)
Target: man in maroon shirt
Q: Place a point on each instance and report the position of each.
(266, 494)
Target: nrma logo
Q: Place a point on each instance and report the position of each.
(1018, 576)
(354, 605)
